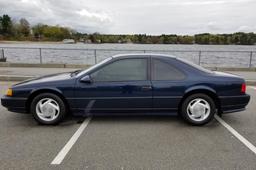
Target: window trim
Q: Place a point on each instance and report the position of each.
(119, 59)
(172, 65)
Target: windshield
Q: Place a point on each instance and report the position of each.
(94, 66)
(195, 65)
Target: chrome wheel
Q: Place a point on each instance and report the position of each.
(47, 109)
(198, 109)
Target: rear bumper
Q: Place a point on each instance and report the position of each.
(14, 104)
(230, 104)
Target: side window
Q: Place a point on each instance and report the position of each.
(164, 71)
(122, 70)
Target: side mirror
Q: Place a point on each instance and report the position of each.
(86, 79)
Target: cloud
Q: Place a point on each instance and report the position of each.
(59, 12)
(196, 2)
(100, 16)
(213, 26)
(133, 16)
(246, 28)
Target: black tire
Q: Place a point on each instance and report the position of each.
(184, 106)
(62, 108)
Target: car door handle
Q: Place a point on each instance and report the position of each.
(146, 88)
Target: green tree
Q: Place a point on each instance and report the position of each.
(1, 27)
(169, 39)
(24, 27)
(38, 31)
(93, 38)
(202, 38)
(6, 25)
(186, 39)
(55, 33)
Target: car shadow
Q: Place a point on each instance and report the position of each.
(27, 120)
(163, 120)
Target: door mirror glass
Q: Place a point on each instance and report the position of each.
(86, 79)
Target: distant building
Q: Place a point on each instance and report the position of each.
(88, 41)
(69, 41)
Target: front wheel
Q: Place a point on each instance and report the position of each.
(198, 109)
(48, 109)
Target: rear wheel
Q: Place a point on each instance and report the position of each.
(198, 109)
(48, 109)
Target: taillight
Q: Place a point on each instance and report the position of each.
(243, 88)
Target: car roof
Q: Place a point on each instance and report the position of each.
(142, 55)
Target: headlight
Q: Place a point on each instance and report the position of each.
(9, 92)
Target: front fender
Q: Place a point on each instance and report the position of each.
(46, 89)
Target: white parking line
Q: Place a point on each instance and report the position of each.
(236, 134)
(64, 151)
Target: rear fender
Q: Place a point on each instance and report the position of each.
(200, 87)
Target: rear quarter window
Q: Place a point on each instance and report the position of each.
(162, 70)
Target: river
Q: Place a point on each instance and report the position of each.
(210, 55)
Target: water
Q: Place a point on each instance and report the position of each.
(225, 57)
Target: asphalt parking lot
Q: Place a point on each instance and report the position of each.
(128, 142)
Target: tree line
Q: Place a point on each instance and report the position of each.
(23, 30)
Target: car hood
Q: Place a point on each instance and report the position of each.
(46, 79)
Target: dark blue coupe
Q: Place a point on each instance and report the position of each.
(131, 84)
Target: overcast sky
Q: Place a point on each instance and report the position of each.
(138, 16)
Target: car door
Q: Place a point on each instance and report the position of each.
(168, 85)
(122, 86)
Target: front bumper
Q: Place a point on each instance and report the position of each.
(230, 104)
(14, 104)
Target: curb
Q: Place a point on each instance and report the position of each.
(22, 78)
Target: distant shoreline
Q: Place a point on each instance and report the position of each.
(22, 42)
(61, 42)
